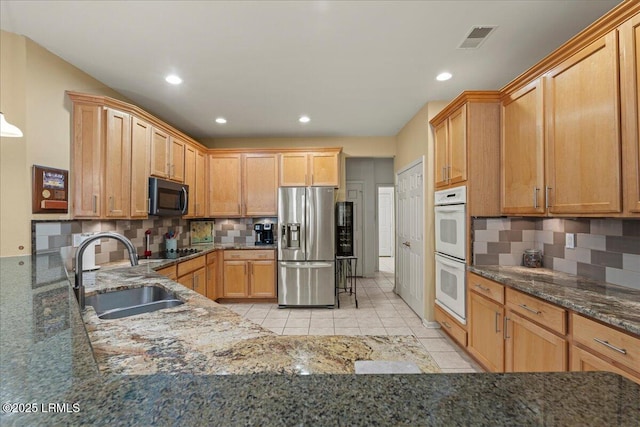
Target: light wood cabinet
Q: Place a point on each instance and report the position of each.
(167, 156)
(192, 274)
(451, 326)
(585, 361)
(486, 332)
(169, 272)
(582, 119)
(194, 177)
(225, 181)
(318, 168)
(531, 348)
(213, 275)
(451, 149)
(140, 155)
(86, 158)
(249, 274)
(117, 180)
(260, 184)
(522, 151)
(243, 184)
(630, 113)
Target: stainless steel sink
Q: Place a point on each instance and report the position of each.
(128, 302)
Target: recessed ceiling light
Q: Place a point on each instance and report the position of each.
(443, 76)
(221, 120)
(173, 79)
(304, 119)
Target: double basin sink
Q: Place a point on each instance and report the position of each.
(129, 302)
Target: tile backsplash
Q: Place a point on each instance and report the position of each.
(238, 230)
(605, 249)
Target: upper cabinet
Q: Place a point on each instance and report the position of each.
(140, 155)
(167, 156)
(194, 177)
(522, 151)
(582, 120)
(467, 143)
(117, 159)
(317, 168)
(569, 143)
(629, 34)
(243, 184)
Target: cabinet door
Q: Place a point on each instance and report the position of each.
(212, 276)
(262, 281)
(260, 184)
(200, 281)
(160, 163)
(486, 335)
(630, 91)
(325, 169)
(235, 283)
(140, 153)
(583, 131)
(87, 160)
(457, 164)
(293, 170)
(441, 136)
(522, 151)
(169, 272)
(584, 361)
(531, 348)
(186, 280)
(177, 160)
(201, 185)
(190, 179)
(117, 180)
(224, 181)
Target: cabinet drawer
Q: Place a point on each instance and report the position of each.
(191, 265)
(619, 346)
(169, 272)
(249, 254)
(451, 326)
(212, 257)
(486, 287)
(544, 313)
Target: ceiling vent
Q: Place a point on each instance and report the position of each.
(476, 37)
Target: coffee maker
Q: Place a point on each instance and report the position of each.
(264, 233)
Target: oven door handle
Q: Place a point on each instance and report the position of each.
(449, 263)
(459, 209)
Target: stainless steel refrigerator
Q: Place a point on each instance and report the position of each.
(306, 247)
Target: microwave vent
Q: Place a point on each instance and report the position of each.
(476, 36)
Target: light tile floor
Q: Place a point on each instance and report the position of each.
(379, 312)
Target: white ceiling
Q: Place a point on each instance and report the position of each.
(357, 68)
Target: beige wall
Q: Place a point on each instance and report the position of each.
(413, 141)
(32, 95)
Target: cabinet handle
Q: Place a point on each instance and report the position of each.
(168, 169)
(535, 197)
(444, 173)
(506, 323)
(311, 178)
(497, 322)
(448, 326)
(111, 204)
(449, 173)
(95, 204)
(530, 309)
(547, 205)
(611, 346)
(148, 205)
(482, 288)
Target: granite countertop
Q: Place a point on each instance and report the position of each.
(204, 249)
(47, 362)
(615, 305)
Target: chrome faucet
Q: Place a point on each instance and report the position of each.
(78, 288)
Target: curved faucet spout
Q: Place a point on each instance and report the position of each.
(78, 288)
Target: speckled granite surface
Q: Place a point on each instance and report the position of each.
(46, 357)
(615, 305)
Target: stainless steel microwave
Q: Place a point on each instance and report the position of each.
(167, 198)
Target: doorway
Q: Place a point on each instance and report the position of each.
(410, 236)
(385, 221)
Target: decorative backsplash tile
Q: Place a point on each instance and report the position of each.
(605, 249)
(238, 230)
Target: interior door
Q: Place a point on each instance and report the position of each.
(385, 222)
(355, 191)
(410, 238)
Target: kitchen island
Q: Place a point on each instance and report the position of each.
(48, 366)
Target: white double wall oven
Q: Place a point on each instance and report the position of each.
(451, 248)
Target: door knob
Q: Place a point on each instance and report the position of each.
(407, 244)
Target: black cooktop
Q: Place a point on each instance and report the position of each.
(174, 253)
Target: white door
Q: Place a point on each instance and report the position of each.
(385, 221)
(410, 239)
(354, 194)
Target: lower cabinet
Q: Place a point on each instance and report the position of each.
(212, 275)
(249, 274)
(451, 326)
(169, 272)
(531, 348)
(486, 332)
(192, 274)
